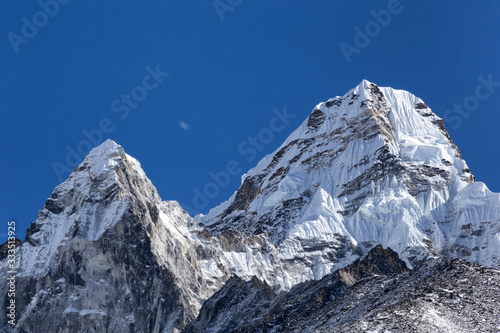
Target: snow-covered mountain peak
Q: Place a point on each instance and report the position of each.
(395, 112)
(90, 201)
(362, 89)
(104, 157)
(375, 165)
(103, 245)
(107, 148)
(390, 118)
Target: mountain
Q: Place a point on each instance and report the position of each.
(99, 257)
(107, 254)
(374, 167)
(375, 294)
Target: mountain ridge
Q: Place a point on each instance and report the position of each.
(372, 169)
(377, 293)
(375, 166)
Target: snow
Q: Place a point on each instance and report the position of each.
(388, 211)
(346, 196)
(104, 157)
(86, 312)
(82, 192)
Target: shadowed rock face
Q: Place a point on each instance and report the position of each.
(316, 119)
(375, 293)
(105, 255)
(5, 247)
(238, 294)
(252, 306)
(378, 261)
(246, 193)
(113, 284)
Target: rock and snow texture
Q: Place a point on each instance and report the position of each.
(376, 294)
(375, 166)
(106, 254)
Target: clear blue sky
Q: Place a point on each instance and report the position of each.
(225, 78)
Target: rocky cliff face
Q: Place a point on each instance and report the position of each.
(105, 254)
(375, 294)
(375, 166)
(252, 306)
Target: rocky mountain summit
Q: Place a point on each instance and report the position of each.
(371, 170)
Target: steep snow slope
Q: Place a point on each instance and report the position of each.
(374, 166)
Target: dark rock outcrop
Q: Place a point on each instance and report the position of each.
(372, 294)
(9, 245)
(252, 306)
(316, 119)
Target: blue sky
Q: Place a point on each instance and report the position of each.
(202, 77)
